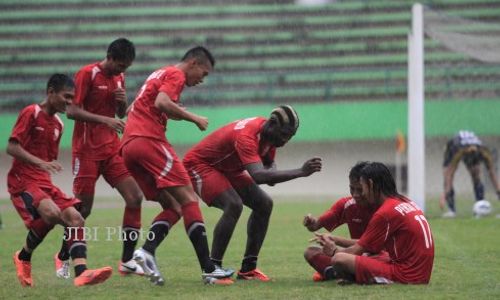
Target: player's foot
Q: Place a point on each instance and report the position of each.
(218, 273)
(62, 267)
(252, 275)
(130, 267)
(449, 215)
(23, 269)
(148, 264)
(96, 276)
(317, 277)
(217, 281)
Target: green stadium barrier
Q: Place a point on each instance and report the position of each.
(334, 121)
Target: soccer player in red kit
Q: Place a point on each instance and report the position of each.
(154, 164)
(353, 211)
(398, 226)
(99, 97)
(34, 144)
(226, 168)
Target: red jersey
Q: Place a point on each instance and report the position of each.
(94, 93)
(232, 147)
(401, 229)
(144, 119)
(39, 134)
(347, 211)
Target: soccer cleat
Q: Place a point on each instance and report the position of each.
(130, 267)
(148, 264)
(317, 277)
(449, 215)
(217, 281)
(218, 273)
(62, 267)
(23, 269)
(251, 275)
(89, 277)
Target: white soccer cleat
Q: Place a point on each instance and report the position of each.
(449, 215)
(130, 267)
(218, 273)
(62, 268)
(148, 264)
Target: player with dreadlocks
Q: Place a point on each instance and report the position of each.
(226, 168)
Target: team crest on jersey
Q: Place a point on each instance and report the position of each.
(56, 134)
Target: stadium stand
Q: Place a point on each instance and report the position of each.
(266, 51)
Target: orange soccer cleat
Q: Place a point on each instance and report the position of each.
(96, 276)
(23, 269)
(317, 277)
(254, 274)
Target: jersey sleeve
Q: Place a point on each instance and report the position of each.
(374, 238)
(22, 128)
(83, 81)
(332, 218)
(247, 148)
(172, 85)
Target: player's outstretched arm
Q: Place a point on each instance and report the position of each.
(15, 150)
(311, 223)
(261, 175)
(176, 112)
(77, 113)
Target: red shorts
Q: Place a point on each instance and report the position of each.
(154, 165)
(86, 173)
(27, 201)
(374, 270)
(209, 182)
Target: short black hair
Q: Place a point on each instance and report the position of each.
(121, 50)
(286, 116)
(59, 81)
(201, 54)
(355, 172)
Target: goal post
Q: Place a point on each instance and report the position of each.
(416, 124)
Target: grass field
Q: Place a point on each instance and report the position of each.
(467, 262)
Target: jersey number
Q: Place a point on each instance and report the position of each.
(425, 229)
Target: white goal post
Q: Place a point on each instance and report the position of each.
(416, 124)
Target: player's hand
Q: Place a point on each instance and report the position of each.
(115, 124)
(201, 122)
(310, 222)
(120, 95)
(327, 242)
(52, 167)
(312, 165)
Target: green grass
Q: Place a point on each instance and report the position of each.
(466, 263)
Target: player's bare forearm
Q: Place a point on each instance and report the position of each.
(77, 113)
(15, 150)
(344, 242)
(261, 175)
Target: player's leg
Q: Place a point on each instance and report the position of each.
(216, 190)
(475, 175)
(116, 174)
(195, 229)
(231, 204)
(78, 250)
(320, 262)
(85, 174)
(160, 227)
(262, 205)
(38, 229)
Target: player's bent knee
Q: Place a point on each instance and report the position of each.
(311, 252)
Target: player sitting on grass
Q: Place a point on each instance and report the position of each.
(34, 144)
(226, 169)
(397, 226)
(353, 211)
